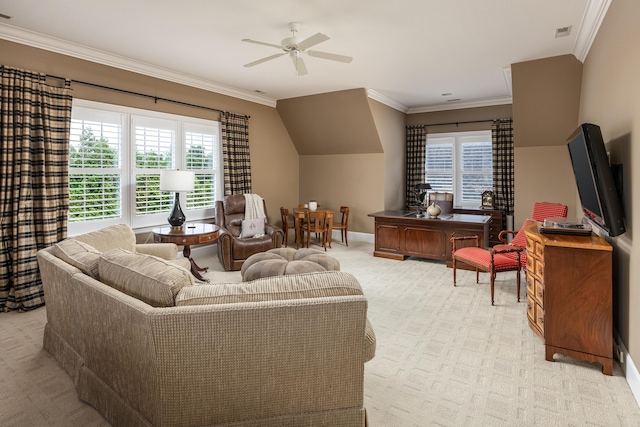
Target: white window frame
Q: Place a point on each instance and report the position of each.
(456, 139)
(128, 167)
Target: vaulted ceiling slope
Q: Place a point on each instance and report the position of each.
(331, 123)
(412, 55)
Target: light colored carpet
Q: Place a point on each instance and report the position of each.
(445, 357)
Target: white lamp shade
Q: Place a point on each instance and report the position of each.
(175, 180)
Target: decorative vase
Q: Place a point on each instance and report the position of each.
(433, 210)
(313, 205)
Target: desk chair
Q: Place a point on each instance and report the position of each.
(443, 200)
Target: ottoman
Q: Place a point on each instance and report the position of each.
(281, 261)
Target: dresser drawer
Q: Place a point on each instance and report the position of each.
(531, 247)
(531, 264)
(531, 284)
(539, 292)
(539, 317)
(539, 269)
(531, 309)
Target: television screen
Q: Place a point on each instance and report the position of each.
(594, 179)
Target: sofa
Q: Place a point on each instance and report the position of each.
(146, 346)
(233, 246)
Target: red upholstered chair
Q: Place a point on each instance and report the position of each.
(508, 256)
(493, 261)
(541, 211)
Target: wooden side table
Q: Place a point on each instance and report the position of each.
(187, 235)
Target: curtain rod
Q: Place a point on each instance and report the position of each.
(144, 95)
(454, 123)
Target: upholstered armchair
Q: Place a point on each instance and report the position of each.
(233, 249)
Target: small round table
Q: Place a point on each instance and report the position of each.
(187, 235)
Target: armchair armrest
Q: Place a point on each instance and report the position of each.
(505, 249)
(276, 233)
(502, 235)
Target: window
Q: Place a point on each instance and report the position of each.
(460, 163)
(116, 155)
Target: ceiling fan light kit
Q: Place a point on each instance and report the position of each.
(295, 47)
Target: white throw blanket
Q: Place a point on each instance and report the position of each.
(254, 207)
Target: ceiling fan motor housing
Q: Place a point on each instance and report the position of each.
(290, 43)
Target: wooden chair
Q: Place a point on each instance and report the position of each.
(492, 261)
(287, 224)
(508, 256)
(342, 225)
(444, 200)
(316, 222)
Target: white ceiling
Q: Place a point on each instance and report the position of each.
(406, 53)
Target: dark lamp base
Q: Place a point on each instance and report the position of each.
(176, 217)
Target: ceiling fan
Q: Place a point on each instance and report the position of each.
(295, 47)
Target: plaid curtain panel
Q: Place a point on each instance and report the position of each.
(235, 154)
(416, 141)
(35, 119)
(503, 175)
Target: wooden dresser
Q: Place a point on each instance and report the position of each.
(569, 295)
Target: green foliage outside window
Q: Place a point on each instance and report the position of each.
(93, 196)
(97, 196)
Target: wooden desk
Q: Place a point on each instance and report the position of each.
(187, 235)
(298, 216)
(399, 234)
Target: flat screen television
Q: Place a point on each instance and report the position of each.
(596, 186)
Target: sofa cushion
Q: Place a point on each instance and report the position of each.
(309, 285)
(150, 279)
(79, 254)
(252, 227)
(114, 236)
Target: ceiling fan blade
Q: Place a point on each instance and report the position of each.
(312, 41)
(268, 58)
(277, 46)
(331, 56)
(298, 63)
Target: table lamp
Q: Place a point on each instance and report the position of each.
(177, 181)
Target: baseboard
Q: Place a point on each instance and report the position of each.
(628, 367)
(354, 236)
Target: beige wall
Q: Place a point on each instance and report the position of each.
(274, 159)
(390, 125)
(611, 99)
(543, 174)
(353, 180)
(331, 123)
(546, 98)
(461, 115)
(351, 152)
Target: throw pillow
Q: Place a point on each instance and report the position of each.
(252, 227)
(150, 279)
(79, 254)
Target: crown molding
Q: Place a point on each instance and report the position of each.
(461, 105)
(593, 16)
(40, 41)
(384, 99)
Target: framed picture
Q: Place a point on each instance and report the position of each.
(488, 200)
